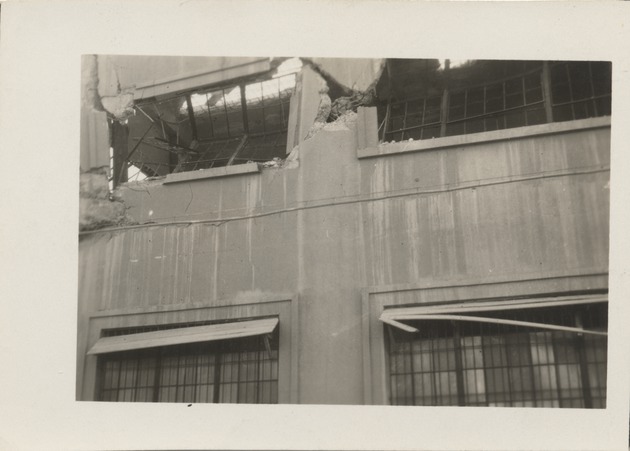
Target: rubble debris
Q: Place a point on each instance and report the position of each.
(338, 100)
(119, 106)
(275, 163)
(291, 161)
(351, 103)
(344, 122)
(323, 110)
(97, 206)
(98, 95)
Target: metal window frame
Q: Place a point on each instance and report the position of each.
(394, 317)
(448, 313)
(243, 137)
(219, 350)
(547, 103)
(283, 305)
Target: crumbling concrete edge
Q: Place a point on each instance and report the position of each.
(98, 206)
(344, 118)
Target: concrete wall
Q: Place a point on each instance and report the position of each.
(331, 227)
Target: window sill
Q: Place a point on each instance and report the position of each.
(498, 135)
(225, 171)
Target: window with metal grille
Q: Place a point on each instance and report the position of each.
(238, 370)
(580, 89)
(238, 123)
(540, 93)
(494, 362)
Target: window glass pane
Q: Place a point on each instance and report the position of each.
(475, 102)
(475, 126)
(601, 73)
(559, 74)
(431, 132)
(501, 364)
(536, 116)
(457, 128)
(534, 95)
(579, 73)
(432, 111)
(187, 373)
(562, 113)
(515, 119)
(603, 106)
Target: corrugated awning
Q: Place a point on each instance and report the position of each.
(473, 312)
(197, 334)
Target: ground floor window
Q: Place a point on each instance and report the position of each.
(216, 370)
(533, 357)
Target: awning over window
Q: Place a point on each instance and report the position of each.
(473, 312)
(197, 334)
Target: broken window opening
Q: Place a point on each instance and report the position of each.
(226, 125)
(424, 99)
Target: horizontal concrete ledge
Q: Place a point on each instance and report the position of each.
(476, 138)
(434, 284)
(225, 171)
(262, 299)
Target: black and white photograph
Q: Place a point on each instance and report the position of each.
(427, 232)
(333, 225)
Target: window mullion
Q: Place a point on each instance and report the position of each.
(556, 353)
(137, 378)
(156, 376)
(413, 382)
(244, 109)
(568, 72)
(217, 376)
(258, 372)
(485, 102)
(238, 373)
(547, 94)
(592, 98)
(191, 118)
(581, 352)
(227, 118)
(433, 373)
(424, 115)
(459, 366)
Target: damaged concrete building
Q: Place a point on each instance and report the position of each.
(344, 231)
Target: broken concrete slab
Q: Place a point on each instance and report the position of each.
(94, 184)
(120, 106)
(97, 206)
(97, 213)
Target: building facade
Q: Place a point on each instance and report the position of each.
(344, 231)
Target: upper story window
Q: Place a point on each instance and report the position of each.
(422, 99)
(239, 122)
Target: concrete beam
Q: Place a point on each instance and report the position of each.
(357, 74)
